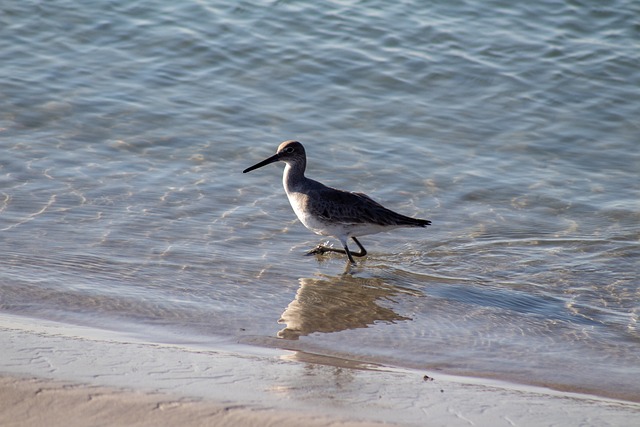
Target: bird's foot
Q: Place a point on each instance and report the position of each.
(319, 250)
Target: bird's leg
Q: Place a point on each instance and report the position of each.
(363, 251)
(348, 252)
(321, 249)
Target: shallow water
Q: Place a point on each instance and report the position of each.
(513, 127)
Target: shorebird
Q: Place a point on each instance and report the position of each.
(331, 212)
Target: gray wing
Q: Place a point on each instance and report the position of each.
(356, 208)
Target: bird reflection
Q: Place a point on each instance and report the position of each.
(332, 304)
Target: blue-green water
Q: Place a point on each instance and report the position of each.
(514, 127)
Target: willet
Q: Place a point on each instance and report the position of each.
(331, 212)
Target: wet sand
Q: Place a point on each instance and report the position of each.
(51, 374)
(38, 402)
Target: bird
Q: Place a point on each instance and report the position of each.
(329, 211)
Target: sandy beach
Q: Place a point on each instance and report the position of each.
(58, 375)
(39, 402)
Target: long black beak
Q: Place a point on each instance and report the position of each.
(265, 162)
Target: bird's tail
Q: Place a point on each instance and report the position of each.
(417, 222)
(407, 221)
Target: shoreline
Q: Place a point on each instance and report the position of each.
(257, 386)
(501, 380)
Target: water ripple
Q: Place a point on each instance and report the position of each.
(512, 126)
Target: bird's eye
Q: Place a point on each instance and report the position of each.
(289, 150)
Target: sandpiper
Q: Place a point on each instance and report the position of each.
(331, 212)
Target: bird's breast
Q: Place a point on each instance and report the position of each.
(301, 207)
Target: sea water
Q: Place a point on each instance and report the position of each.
(513, 126)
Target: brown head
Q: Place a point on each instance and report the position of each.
(290, 152)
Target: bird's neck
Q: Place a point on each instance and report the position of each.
(293, 176)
